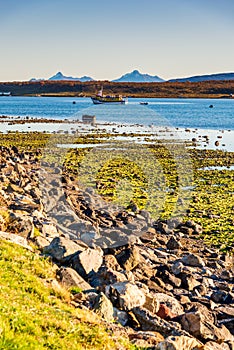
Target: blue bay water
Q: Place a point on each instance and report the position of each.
(185, 113)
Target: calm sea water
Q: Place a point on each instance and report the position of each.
(185, 113)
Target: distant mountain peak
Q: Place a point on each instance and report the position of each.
(136, 77)
(60, 76)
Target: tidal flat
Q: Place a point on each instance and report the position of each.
(169, 178)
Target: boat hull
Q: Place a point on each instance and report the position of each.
(98, 101)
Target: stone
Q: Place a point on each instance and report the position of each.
(171, 302)
(171, 279)
(129, 258)
(71, 278)
(188, 281)
(193, 260)
(111, 262)
(90, 237)
(146, 339)
(200, 324)
(21, 224)
(180, 343)
(151, 303)
(150, 322)
(61, 248)
(106, 276)
(49, 230)
(186, 230)
(214, 346)
(173, 244)
(165, 313)
(87, 261)
(177, 268)
(120, 316)
(125, 295)
(16, 239)
(103, 307)
(41, 242)
(221, 296)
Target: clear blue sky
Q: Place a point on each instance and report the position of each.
(105, 39)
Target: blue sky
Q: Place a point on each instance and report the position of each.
(105, 39)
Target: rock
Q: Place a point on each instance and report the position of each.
(171, 302)
(193, 260)
(87, 261)
(61, 248)
(177, 267)
(200, 324)
(49, 230)
(21, 224)
(120, 316)
(71, 278)
(129, 258)
(89, 237)
(151, 303)
(13, 238)
(41, 242)
(110, 262)
(103, 307)
(214, 346)
(173, 244)
(106, 277)
(227, 275)
(186, 230)
(146, 340)
(150, 322)
(125, 295)
(171, 279)
(165, 313)
(221, 296)
(180, 343)
(188, 281)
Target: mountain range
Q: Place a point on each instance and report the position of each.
(136, 77)
(59, 76)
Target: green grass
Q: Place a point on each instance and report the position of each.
(36, 315)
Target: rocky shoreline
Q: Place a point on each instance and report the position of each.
(163, 288)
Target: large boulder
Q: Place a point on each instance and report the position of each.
(172, 303)
(87, 261)
(125, 295)
(151, 322)
(61, 248)
(200, 324)
(103, 307)
(129, 258)
(70, 278)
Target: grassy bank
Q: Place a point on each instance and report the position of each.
(36, 314)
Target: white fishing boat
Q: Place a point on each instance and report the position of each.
(113, 99)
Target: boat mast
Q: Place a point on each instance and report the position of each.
(100, 92)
